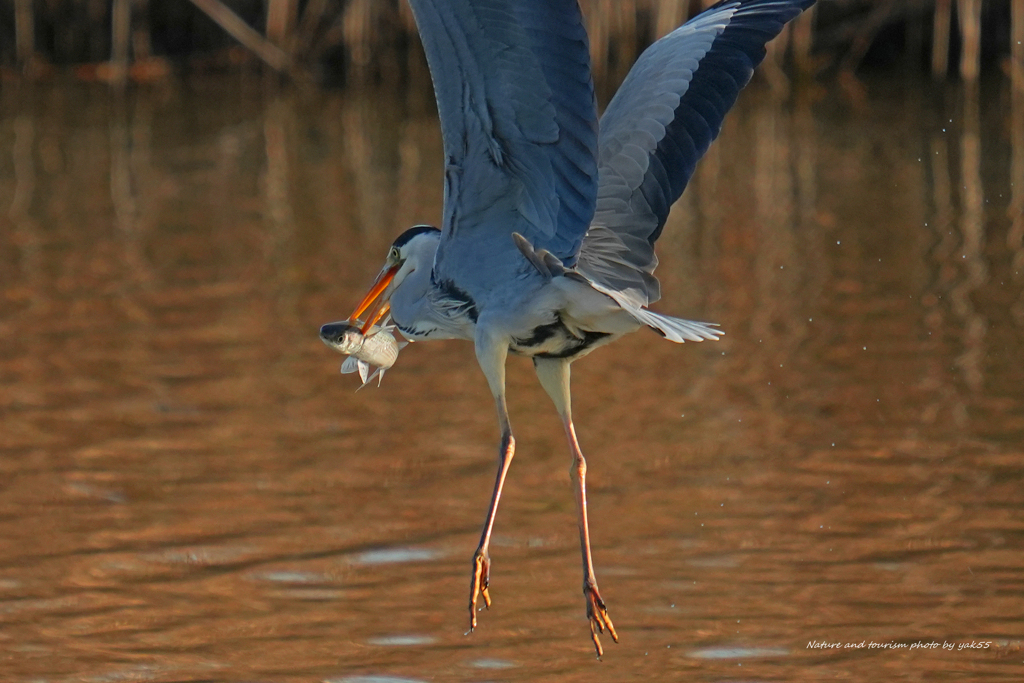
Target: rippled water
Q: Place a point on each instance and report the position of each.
(189, 490)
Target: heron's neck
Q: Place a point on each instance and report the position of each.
(422, 311)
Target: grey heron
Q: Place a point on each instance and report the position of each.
(550, 215)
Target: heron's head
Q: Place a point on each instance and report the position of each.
(413, 249)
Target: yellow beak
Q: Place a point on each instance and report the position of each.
(374, 301)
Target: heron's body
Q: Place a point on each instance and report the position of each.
(546, 247)
(544, 316)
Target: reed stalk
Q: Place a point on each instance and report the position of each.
(281, 19)
(120, 30)
(271, 54)
(969, 12)
(24, 32)
(940, 38)
(1017, 45)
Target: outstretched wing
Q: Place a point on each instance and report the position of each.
(519, 121)
(658, 126)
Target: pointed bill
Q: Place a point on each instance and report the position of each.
(375, 301)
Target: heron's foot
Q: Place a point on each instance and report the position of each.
(481, 580)
(597, 613)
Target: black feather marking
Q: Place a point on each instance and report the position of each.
(588, 340)
(459, 300)
(412, 332)
(406, 236)
(572, 345)
(540, 335)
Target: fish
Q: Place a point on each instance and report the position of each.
(378, 348)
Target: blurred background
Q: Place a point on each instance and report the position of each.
(190, 491)
(333, 41)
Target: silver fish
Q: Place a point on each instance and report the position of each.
(378, 348)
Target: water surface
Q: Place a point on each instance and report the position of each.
(189, 490)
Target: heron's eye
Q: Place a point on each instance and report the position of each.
(393, 255)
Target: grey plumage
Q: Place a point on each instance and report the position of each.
(519, 122)
(547, 243)
(659, 124)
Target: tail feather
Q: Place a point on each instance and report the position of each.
(673, 329)
(676, 329)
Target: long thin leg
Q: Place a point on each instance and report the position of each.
(597, 613)
(481, 559)
(491, 352)
(554, 377)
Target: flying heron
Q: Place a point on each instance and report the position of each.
(550, 214)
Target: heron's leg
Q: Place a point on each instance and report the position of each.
(554, 377)
(481, 559)
(491, 354)
(597, 613)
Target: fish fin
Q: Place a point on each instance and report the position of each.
(364, 369)
(350, 365)
(367, 380)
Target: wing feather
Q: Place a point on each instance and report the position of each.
(658, 126)
(519, 122)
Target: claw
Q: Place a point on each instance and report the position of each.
(597, 613)
(481, 581)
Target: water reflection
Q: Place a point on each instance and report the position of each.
(402, 641)
(1015, 211)
(192, 490)
(738, 652)
(394, 555)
